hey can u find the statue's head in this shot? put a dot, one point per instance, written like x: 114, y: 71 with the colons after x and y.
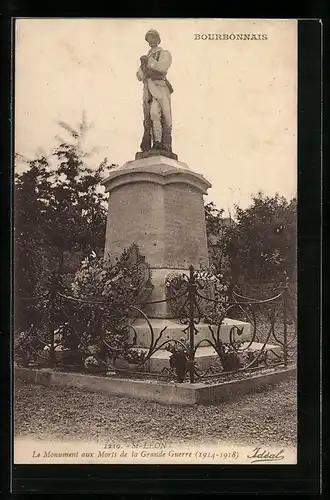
x: 153, y: 38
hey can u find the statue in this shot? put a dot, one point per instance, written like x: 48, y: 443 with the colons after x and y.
x: 157, y: 90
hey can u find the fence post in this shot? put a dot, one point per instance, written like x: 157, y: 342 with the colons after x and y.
x: 285, y: 325
x: 191, y: 297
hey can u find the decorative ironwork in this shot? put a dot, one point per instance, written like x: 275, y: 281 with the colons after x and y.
x: 266, y: 347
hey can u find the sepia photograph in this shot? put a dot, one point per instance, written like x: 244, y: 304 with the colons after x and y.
x: 155, y: 241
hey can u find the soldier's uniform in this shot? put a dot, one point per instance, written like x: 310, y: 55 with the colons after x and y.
x: 156, y: 98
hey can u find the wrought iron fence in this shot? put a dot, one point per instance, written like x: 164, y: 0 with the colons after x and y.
x: 271, y: 340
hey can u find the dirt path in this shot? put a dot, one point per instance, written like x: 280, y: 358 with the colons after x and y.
x: 51, y: 412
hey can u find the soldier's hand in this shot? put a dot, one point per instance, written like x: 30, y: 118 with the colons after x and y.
x: 143, y: 60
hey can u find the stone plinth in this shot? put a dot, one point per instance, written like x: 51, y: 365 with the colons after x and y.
x: 157, y: 203
x: 207, y: 356
x: 156, y: 152
x: 174, y: 331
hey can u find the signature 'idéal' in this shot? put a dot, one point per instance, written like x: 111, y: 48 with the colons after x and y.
x: 263, y: 455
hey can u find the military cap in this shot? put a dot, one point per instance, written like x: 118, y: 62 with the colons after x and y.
x: 152, y: 32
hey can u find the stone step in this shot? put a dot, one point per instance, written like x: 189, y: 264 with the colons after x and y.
x: 207, y: 356
x: 175, y: 330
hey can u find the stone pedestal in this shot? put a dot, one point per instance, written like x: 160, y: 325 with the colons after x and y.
x: 157, y: 203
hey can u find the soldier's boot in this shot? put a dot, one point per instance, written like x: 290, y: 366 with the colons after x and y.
x: 157, y: 133
x: 146, y: 140
x: 167, y: 138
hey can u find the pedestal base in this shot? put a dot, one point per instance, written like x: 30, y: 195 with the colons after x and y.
x: 156, y: 152
x: 205, y: 357
x: 174, y: 331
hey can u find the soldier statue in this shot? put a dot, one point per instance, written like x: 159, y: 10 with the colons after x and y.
x: 157, y: 90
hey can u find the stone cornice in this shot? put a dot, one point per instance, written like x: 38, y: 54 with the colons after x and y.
x: 158, y: 170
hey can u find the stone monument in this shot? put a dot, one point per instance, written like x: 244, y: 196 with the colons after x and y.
x: 156, y: 202
x: 157, y: 90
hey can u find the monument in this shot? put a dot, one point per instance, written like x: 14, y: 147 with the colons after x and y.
x: 156, y: 201
x: 157, y: 90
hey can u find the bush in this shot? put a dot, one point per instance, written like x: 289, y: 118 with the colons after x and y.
x: 261, y: 290
x: 105, y: 292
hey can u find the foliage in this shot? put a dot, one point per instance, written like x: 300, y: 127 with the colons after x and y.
x: 25, y: 347
x: 176, y: 294
x: 91, y: 319
x: 260, y: 244
x: 263, y: 290
x: 263, y: 243
x: 228, y: 354
x: 105, y: 292
x: 209, y: 285
x: 213, y: 286
x: 59, y: 210
x: 218, y: 231
x: 178, y: 361
x: 134, y: 356
x: 40, y: 334
x: 91, y: 361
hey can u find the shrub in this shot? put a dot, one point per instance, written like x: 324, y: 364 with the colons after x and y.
x: 104, y: 291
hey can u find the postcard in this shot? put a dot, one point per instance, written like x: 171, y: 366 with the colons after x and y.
x: 155, y: 227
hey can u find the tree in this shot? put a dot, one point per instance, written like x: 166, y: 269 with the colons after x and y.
x: 218, y: 231
x: 263, y: 243
x: 59, y: 210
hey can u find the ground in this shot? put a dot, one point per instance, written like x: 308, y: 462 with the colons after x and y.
x: 267, y: 417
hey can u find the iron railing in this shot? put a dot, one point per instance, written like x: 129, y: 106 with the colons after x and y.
x: 272, y: 340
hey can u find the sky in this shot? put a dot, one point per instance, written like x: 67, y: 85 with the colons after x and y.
x: 234, y: 104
